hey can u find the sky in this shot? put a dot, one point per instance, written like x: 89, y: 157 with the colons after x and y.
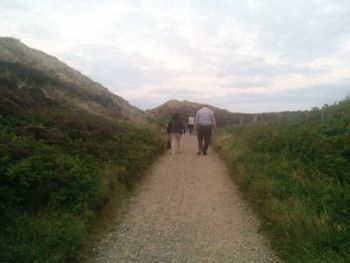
x: 244, y: 56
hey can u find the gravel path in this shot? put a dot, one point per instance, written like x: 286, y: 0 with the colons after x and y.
x: 186, y: 210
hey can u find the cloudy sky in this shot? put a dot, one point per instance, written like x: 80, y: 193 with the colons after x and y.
x: 247, y: 56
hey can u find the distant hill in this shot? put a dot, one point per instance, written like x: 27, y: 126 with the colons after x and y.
x: 223, y: 117
x: 32, y: 69
x: 186, y: 108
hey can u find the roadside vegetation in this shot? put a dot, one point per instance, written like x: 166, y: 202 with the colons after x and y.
x: 58, y: 167
x: 295, y: 171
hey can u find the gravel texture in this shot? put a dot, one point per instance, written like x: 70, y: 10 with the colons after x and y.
x: 186, y: 210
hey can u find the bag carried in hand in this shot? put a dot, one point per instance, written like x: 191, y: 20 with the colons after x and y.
x: 168, y: 145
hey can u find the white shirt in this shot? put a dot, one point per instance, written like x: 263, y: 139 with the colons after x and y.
x: 205, y: 117
x: 191, y: 120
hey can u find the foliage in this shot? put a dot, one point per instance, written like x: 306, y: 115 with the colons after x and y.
x: 58, y: 165
x: 296, y: 172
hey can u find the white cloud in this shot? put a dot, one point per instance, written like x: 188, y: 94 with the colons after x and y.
x: 205, y: 50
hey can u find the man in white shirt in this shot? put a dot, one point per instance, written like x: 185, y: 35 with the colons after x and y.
x: 190, y: 124
x: 204, y: 123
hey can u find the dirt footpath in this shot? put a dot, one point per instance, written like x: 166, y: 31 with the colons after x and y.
x: 186, y: 210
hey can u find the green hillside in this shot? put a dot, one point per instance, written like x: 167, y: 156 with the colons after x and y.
x: 295, y: 170
x: 65, y: 145
x: 62, y: 82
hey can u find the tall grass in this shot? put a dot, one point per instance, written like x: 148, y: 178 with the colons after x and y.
x: 295, y: 171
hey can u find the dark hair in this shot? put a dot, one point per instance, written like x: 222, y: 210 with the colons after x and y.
x: 175, y: 116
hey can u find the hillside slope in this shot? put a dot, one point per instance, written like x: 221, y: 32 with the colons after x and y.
x: 64, y: 147
x: 60, y: 82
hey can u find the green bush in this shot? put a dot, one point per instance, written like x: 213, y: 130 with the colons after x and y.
x: 58, y: 166
x: 296, y: 173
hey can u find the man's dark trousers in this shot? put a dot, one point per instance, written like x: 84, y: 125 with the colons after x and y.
x: 204, y: 134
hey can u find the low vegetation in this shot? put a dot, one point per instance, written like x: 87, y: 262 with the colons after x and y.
x: 58, y: 166
x: 295, y: 171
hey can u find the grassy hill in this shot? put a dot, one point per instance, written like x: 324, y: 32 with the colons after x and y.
x: 60, y: 82
x: 295, y: 171
x: 65, y: 144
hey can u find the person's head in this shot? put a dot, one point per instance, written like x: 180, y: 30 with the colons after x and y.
x: 175, y: 115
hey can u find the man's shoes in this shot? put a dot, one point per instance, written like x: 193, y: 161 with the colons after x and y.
x: 199, y: 152
x: 205, y: 153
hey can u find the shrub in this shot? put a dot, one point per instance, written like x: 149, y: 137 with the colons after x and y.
x: 57, y: 169
x: 296, y: 173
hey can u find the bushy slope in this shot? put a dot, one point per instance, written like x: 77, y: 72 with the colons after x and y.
x: 66, y: 84
x: 59, y: 163
x: 57, y: 168
x: 296, y: 173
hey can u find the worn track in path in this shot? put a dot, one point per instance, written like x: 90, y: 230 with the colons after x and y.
x: 186, y: 210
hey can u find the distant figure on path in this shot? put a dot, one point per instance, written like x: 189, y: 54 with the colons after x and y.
x: 190, y: 124
x: 175, y: 129
x: 204, y: 123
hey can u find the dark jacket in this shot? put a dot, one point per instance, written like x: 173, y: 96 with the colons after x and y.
x: 175, y: 126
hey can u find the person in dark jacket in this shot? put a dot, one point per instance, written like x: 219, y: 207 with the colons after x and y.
x: 175, y: 129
